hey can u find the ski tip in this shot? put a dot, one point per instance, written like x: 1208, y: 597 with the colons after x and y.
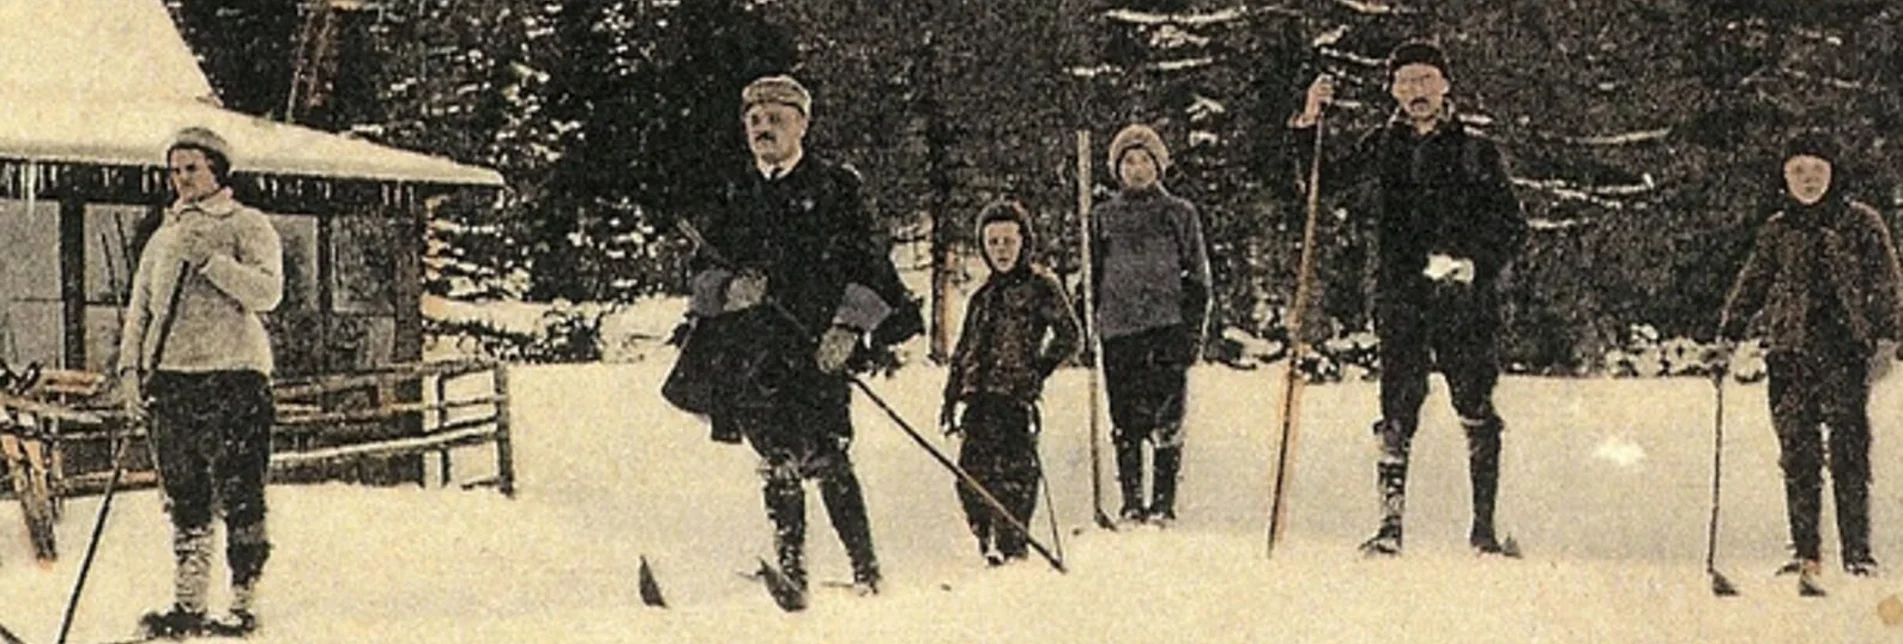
x: 788, y: 596
x: 1722, y: 587
x: 649, y: 587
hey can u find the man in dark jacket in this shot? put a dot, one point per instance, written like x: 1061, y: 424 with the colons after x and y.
x: 1446, y: 224
x: 1825, y: 275
x: 794, y: 276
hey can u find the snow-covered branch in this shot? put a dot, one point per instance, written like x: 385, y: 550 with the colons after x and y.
x: 1193, y: 19
x: 1609, y: 140
x: 1374, y: 7
x: 1596, y: 195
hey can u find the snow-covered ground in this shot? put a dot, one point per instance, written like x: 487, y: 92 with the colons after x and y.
x: 1605, y: 486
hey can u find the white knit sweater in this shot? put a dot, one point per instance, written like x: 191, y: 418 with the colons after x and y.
x: 216, y: 325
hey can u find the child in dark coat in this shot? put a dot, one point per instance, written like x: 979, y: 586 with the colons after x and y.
x: 1825, y: 279
x: 998, y: 371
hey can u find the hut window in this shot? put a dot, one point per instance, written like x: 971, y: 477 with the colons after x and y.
x: 297, y: 234
x: 366, y: 249
x: 30, y: 307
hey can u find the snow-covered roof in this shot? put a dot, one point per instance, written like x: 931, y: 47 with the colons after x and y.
x: 110, y: 81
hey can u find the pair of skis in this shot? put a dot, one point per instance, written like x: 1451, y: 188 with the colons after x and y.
x: 28, y: 459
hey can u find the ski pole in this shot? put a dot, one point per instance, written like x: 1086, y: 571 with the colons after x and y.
x: 1044, y: 480
x: 1094, y: 347
x: 687, y: 228
x: 1292, y: 376
x: 119, y: 440
x: 1720, y: 586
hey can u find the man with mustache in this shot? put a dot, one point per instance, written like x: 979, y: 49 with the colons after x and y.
x: 795, y: 278
x: 1446, y: 223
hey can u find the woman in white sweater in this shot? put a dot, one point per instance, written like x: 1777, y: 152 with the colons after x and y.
x: 194, y: 339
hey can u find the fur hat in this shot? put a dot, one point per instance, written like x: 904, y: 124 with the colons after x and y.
x: 208, y: 142
x: 780, y: 89
x: 1815, y: 142
x: 1418, y: 52
x: 1007, y: 210
x: 1135, y: 136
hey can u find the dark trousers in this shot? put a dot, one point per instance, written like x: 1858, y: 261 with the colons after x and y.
x: 211, y: 436
x: 792, y: 451
x: 1811, y: 392
x: 1145, y: 376
x: 1451, y: 329
x: 1000, y: 451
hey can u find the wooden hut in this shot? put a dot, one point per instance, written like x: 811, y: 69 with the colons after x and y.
x: 90, y: 93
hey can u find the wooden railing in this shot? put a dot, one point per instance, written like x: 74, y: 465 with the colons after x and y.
x: 320, y: 411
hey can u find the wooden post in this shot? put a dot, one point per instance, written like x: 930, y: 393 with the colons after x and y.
x: 72, y: 280
x: 442, y: 418
x: 505, y: 450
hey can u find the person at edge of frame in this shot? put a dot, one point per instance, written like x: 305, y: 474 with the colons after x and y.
x: 1446, y: 225
x: 200, y: 367
x: 1824, y: 275
x: 794, y: 281
x: 1151, y: 278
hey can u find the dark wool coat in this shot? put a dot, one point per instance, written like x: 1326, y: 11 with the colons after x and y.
x: 825, y: 260
x: 1002, y: 349
x: 1446, y: 192
x: 1817, y: 273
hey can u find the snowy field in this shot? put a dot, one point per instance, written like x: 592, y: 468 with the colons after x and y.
x: 1605, y: 486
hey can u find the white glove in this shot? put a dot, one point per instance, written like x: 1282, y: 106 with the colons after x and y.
x: 1447, y: 268
x: 835, y: 347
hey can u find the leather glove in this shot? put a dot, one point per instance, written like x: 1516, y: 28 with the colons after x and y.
x: 835, y: 348
x: 746, y: 290
x: 1448, y: 269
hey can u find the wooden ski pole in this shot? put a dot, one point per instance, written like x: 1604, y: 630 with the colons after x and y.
x: 1292, y: 375
x: 1094, y: 346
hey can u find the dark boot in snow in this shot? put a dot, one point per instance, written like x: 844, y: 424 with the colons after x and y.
x: 1483, y: 472
x: 846, y: 505
x: 1386, y: 542
x: 177, y: 624
x: 238, y: 623
x: 1169, y: 462
x: 1130, y: 480
x: 786, y: 507
x: 1391, y: 479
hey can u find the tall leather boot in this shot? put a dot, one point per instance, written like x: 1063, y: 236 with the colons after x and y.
x: 846, y: 506
x: 1169, y: 463
x: 786, y: 507
x: 1483, y: 470
x: 1130, y: 478
x: 1391, y: 481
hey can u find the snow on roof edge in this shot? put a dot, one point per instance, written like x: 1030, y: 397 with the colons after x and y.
x: 135, y: 134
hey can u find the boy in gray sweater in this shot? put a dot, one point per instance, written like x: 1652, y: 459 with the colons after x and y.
x: 1151, y: 276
